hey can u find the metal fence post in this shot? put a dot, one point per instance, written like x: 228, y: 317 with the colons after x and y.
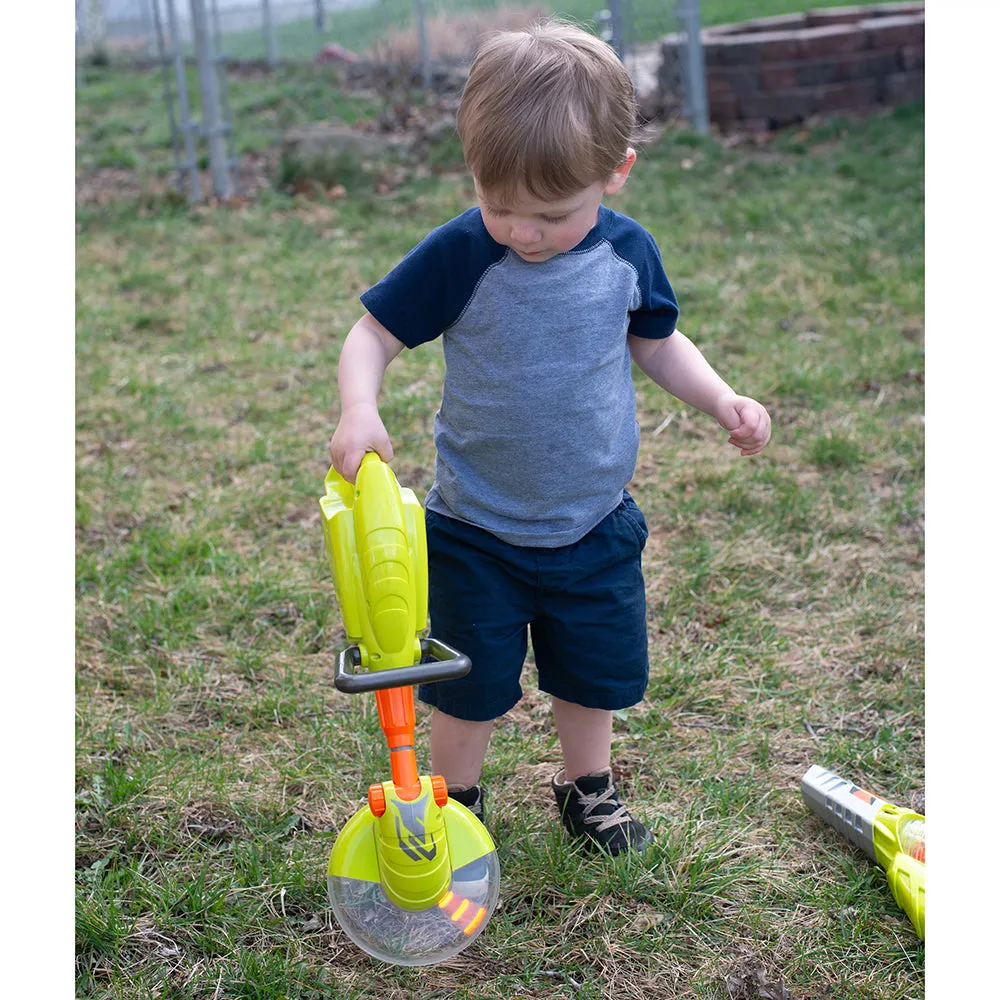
x: 97, y: 27
x: 615, y: 25
x: 270, y: 42
x: 425, y: 51
x: 695, y: 65
x: 147, y: 26
x: 80, y: 38
x: 220, y: 65
x: 617, y: 39
x: 320, y: 16
x: 186, y: 125
x: 168, y: 99
x: 213, y: 127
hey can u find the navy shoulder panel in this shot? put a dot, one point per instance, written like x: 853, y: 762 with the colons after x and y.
x: 655, y: 314
x: 428, y: 289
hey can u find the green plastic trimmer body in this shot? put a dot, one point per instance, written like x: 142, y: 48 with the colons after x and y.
x: 413, y: 876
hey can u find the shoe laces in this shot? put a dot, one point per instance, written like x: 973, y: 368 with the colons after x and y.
x: 619, y: 817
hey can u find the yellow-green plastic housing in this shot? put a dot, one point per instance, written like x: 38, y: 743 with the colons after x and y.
x: 377, y: 547
x: 411, y: 848
x: 418, y: 883
x: 905, y: 874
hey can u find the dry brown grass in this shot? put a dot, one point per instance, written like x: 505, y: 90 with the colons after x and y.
x: 452, y: 37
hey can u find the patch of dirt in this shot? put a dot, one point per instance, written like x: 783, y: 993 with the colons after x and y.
x: 211, y: 821
x: 256, y: 172
x: 748, y: 979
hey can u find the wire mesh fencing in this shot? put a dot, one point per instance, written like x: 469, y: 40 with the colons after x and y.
x: 390, y: 46
x: 430, y: 34
x: 301, y: 30
x: 253, y: 30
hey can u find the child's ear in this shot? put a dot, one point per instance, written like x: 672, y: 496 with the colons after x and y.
x: 621, y: 173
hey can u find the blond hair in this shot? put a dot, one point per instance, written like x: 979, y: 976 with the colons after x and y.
x: 550, y: 109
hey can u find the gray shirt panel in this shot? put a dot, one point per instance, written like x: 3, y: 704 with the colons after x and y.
x: 536, y: 435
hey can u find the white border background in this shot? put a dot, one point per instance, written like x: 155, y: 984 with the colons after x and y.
x: 963, y: 496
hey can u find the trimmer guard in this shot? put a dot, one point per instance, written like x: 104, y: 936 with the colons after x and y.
x: 359, y: 886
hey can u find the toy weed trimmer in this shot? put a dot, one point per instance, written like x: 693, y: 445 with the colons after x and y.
x: 892, y: 837
x: 413, y: 876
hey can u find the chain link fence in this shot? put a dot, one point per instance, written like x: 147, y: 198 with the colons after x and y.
x: 429, y: 41
x: 300, y: 30
x: 117, y: 30
x: 431, y: 33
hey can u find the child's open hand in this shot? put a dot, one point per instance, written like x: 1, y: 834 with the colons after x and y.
x: 360, y: 430
x: 746, y: 420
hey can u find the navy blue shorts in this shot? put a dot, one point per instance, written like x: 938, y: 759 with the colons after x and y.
x: 584, y: 606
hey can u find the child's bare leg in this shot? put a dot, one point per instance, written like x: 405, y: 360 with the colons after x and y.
x: 585, y: 791
x: 585, y: 737
x: 458, y: 748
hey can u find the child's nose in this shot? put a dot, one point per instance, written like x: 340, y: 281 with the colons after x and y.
x: 525, y: 232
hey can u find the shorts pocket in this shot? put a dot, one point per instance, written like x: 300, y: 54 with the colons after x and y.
x: 633, y: 516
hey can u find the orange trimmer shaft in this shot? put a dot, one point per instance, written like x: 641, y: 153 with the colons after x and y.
x: 398, y: 720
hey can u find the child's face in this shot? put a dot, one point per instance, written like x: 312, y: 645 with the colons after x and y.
x: 538, y: 230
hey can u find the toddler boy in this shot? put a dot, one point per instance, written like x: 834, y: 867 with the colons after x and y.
x: 543, y: 298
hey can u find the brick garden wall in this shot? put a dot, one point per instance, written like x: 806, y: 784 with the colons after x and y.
x: 777, y: 71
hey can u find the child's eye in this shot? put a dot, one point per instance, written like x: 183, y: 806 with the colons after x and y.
x: 555, y: 218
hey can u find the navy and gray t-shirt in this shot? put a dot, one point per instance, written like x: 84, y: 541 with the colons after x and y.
x: 536, y: 435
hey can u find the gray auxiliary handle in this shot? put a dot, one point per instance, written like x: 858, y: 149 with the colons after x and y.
x: 447, y: 664
x: 850, y: 810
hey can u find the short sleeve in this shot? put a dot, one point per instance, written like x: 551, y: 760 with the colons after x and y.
x: 428, y: 289
x: 655, y: 314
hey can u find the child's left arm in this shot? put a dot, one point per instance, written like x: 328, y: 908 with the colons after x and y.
x: 676, y: 365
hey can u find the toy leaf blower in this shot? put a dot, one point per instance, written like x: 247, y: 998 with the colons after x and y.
x: 892, y: 837
x: 413, y: 876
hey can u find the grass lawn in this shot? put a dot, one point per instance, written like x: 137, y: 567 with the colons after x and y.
x: 215, y: 760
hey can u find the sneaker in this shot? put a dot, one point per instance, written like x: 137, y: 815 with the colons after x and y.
x: 590, y: 808
x: 471, y: 797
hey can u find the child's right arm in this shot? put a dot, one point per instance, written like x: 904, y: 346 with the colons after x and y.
x: 367, y: 352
